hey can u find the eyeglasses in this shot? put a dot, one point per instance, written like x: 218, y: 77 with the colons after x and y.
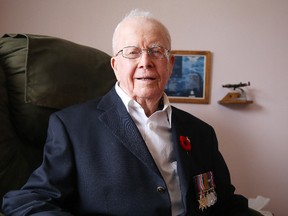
x: 133, y: 52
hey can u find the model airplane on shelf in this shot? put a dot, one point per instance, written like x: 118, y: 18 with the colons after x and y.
x: 235, y: 86
x: 236, y: 97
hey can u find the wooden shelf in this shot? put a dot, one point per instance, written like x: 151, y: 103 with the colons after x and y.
x: 234, y: 98
x: 236, y: 102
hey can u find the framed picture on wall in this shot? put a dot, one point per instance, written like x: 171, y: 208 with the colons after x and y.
x: 190, y: 79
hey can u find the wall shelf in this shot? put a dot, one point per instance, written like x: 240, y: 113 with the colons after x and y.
x: 234, y: 98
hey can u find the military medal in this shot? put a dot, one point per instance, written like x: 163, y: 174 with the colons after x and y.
x: 205, y: 186
x: 202, y: 202
x: 211, y: 198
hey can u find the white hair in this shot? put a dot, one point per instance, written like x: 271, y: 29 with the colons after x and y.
x: 137, y: 13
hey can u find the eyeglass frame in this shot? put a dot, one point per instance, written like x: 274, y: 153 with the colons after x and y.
x: 148, y: 50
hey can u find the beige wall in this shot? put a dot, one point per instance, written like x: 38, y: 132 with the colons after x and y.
x: 249, y: 42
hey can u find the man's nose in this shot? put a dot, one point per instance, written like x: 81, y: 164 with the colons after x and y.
x: 145, y: 60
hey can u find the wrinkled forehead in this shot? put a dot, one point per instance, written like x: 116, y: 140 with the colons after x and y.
x: 142, y: 31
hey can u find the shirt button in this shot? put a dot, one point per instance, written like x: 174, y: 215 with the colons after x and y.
x: 150, y: 125
x: 161, y: 189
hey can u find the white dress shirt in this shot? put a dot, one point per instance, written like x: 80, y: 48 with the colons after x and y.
x: 156, y: 132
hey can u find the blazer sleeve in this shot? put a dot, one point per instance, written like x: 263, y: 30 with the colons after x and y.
x: 42, y: 191
x: 229, y: 202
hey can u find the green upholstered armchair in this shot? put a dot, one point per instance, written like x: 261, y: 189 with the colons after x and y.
x: 39, y: 75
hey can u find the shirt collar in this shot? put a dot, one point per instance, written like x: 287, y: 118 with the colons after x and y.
x: 129, y: 102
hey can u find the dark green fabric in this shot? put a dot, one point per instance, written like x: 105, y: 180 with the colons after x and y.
x: 58, y: 72
x: 14, y: 168
x: 40, y: 75
x: 30, y: 122
x: 61, y: 73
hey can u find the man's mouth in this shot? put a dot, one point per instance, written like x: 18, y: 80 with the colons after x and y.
x: 146, y: 78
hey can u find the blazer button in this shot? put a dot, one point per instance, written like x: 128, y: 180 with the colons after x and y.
x: 161, y: 189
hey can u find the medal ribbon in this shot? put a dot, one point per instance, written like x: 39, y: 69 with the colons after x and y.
x: 204, y: 183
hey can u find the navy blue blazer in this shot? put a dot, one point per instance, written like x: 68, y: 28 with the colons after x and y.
x: 96, y: 163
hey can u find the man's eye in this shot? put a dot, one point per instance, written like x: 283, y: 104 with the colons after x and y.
x: 134, y: 52
x: 157, y: 50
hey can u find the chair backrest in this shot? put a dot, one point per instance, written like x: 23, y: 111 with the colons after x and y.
x: 39, y: 75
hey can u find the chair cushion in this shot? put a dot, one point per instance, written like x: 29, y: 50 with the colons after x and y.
x: 58, y: 72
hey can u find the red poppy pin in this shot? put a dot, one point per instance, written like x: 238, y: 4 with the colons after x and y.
x: 185, y: 143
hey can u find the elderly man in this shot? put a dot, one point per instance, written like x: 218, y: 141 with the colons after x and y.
x: 130, y: 152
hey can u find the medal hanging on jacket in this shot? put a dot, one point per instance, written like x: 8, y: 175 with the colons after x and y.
x: 205, y: 186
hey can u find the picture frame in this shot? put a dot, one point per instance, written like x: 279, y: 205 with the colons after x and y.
x: 190, y: 79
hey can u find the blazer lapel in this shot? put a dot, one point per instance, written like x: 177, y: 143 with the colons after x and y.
x: 185, y: 163
x: 182, y: 164
x: 122, y: 126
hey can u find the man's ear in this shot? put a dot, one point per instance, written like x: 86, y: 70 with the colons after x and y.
x: 114, y: 65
